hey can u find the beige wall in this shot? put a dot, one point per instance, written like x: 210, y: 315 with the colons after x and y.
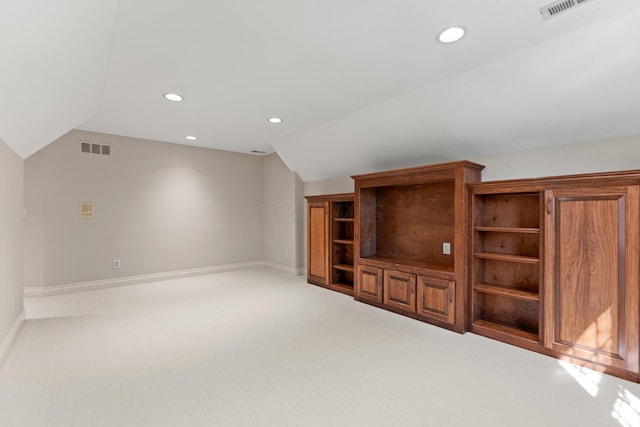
x: 585, y: 157
x: 281, y: 214
x: 11, y: 222
x: 329, y: 186
x: 158, y: 207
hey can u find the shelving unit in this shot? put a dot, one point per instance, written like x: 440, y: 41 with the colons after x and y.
x: 506, y: 267
x: 405, y: 220
x: 342, y: 245
x: 331, y: 223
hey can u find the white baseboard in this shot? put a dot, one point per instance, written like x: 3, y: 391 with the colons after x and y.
x: 8, y: 341
x: 45, y: 291
x: 284, y: 269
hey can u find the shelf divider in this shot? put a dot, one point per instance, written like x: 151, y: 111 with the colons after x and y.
x: 506, y: 292
x: 507, y: 257
x: 522, y: 230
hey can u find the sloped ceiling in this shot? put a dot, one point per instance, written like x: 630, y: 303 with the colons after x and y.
x: 361, y: 85
x: 54, y: 64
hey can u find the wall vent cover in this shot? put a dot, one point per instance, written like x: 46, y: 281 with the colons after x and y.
x: 93, y: 148
x: 558, y: 7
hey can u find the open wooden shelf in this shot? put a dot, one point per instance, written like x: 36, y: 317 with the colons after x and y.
x: 398, y: 261
x: 506, y: 329
x: 343, y: 288
x: 343, y: 241
x: 507, y: 257
x: 344, y: 219
x: 523, y: 230
x: 507, y: 292
x: 344, y: 267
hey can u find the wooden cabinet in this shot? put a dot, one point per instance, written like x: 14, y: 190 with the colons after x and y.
x: 330, y: 241
x: 318, y: 242
x: 592, y: 281
x: 369, y: 283
x: 556, y: 267
x: 411, y: 223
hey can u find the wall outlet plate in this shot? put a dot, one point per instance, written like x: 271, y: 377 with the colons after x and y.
x: 116, y: 264
x: 446, y: 248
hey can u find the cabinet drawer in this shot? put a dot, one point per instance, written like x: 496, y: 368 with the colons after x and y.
x: 436, y: 298
x: 369, y: 284
x: 400, y: 290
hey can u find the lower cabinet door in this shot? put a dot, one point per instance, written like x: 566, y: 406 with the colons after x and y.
x: 436, y: 298
x: 369, y: 283
x: 400, y: 290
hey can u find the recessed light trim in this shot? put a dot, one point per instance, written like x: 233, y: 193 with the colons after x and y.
x: 275, y: 120
x: 191, y: 137
x: 451, y: 35
x: 173, y: 97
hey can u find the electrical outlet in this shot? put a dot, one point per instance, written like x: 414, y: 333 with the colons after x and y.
x: 286, y: 254
x: 446, y: 248
x: 116, y: 264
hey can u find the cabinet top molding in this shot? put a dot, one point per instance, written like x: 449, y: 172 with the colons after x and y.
x: 342, y: 197
x: 628, y: 177
x: 421, y: 169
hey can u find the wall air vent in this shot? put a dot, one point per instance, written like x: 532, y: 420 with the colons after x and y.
x: 93, y: 148
x: 556, y: 8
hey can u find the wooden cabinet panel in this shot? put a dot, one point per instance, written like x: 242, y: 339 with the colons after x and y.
x: 318, y: 243
x: 436, y: 298
x: 592, y: 267
x: 400, y: 290
x: 369, y: 284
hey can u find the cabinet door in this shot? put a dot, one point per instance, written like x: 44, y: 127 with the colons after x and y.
x: 436, y: 298
x: 369, y: 284
x: 318, y: 243
x: 400, y: 290
x: 592, y: 274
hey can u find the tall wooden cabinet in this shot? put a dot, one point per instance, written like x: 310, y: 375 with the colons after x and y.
x: 592, y: 274
x: 330, y: 241
x: 555, y: 267
x: 411, y: 241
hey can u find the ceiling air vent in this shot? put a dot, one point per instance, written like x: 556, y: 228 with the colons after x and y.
x: 93, y: 148
x: 556, y: 8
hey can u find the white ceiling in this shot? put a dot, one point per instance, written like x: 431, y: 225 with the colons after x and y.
x: 361, y: 84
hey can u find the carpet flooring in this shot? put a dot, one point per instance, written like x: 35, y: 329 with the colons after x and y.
x: 260, y: 348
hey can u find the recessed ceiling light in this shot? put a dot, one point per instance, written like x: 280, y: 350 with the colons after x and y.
x: 191, y: 137
x: 275, y: 120
x: 450, y: 35
x: 173, y: 97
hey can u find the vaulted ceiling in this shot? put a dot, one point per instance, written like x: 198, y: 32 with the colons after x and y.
x: 360, y: 84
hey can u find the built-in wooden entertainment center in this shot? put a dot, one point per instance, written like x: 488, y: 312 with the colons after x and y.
x: 548, y: 264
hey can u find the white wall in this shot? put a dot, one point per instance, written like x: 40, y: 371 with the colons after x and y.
x: 281, y: 214
x: 11, y: 223
x: 158, y: 207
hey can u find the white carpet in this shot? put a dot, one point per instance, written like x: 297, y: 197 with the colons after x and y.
x: 259, y: 348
